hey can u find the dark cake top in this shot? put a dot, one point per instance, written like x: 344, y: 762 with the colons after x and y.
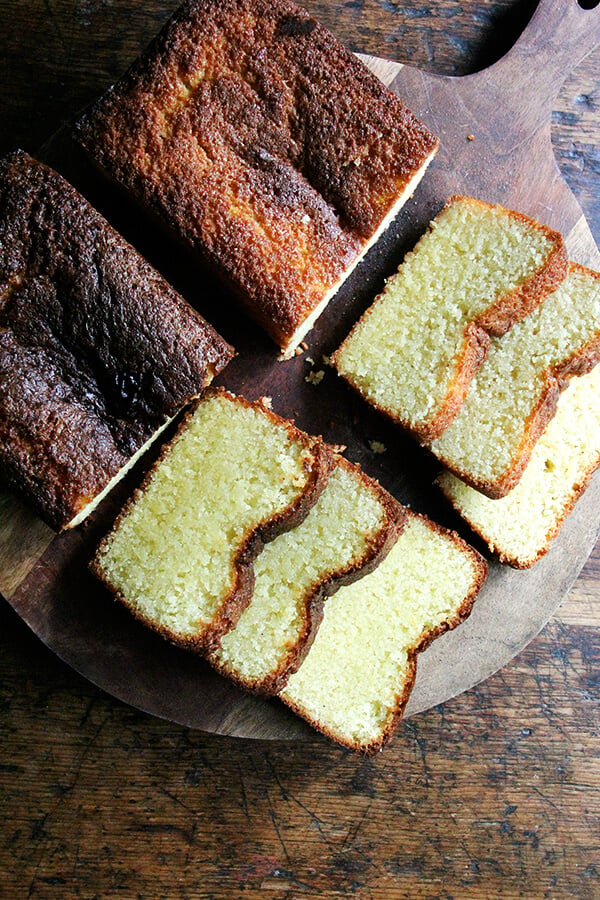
x: 96, y: 350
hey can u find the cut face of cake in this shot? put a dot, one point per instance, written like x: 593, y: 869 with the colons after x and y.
x: 180, y: 556
x: 479, y: 269
x: 266, y: 148
x: 97, y: 352
x: 515, y: 391
x: 346, y: 534
x: 357, y: 676
x: 519, y: 527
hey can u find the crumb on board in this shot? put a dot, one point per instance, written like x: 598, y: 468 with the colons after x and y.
x: 377, y: 447
x: 315, y: 377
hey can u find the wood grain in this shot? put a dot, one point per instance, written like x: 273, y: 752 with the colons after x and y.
x: 491, y: 795
x: 495, y: 130
x: 495, y: 794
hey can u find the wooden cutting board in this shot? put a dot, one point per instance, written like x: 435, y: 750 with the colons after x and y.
x: 495, y: 144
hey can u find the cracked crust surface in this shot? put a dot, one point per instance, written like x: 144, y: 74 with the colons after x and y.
x: 97, y: 351
x: 265, y: 146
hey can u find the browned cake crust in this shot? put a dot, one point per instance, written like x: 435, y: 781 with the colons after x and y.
x: 460, y: 615
x: 264, y: 145
x: 513, y: 560
x: 376, y: 550
x: 556, y: 378
x: 96, y: 350
x: 235, y: 602
x: 495, y: 321
x: 404, y: 690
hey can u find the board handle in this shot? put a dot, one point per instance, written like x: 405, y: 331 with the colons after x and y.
x: 560, y: 34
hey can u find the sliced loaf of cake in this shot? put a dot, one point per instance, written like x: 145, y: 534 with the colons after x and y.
x: 180, y: 555
x: 265, y: 147
x: 346, y: 534
x: 519, y: 528
x: 97, y: 351
x: 478, y: 269
x: 515, y: 392
x: 358, y: 674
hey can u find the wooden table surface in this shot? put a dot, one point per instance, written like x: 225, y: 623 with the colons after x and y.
x: 494, y: 794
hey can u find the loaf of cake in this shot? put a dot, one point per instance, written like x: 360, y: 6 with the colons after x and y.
x: 97, y: 351
x: 180, y: 555
x: 478, y: 269
x: 357, y: 676
x: 345, y: 535
x: 265, y: 147
x: 519, y: 528
x: 515, y: 391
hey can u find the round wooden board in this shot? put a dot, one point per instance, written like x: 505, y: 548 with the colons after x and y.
x: 510, y: 161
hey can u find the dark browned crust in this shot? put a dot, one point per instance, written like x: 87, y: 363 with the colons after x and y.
x: 495, y: 321
x: 97, y: 351
x: 556, y: 379
x: 238, y: 598
x: 460, y: 615
x: 238, y: 128
x: 312, y: 604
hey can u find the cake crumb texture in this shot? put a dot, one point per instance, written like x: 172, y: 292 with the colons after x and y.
x: 346, y: 534
x: 265, y: 146
x: 519, y: 527
x: 180, y: 556
x: 478, y: 269
x: 97, y: 351
x: 356, y: 678
x: 515, y: 392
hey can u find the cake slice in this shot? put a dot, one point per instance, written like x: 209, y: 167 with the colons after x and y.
x: 180, y: 555
x: 97, y: 351
x: 346, y: 534
x: 515, y: 392
x: 265, y: 147
x: 356, y: 679
x: 519, y: 528
x: 478, y: 269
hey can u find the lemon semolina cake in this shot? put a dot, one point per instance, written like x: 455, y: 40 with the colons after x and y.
x: 265, y: 147
x: 346, y: 534
x: 515, y: 392
x: 97, y: 351
x: 357, y: 676
x: 180, y: 555
x: 520, y: 527
x: 477, y: 270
